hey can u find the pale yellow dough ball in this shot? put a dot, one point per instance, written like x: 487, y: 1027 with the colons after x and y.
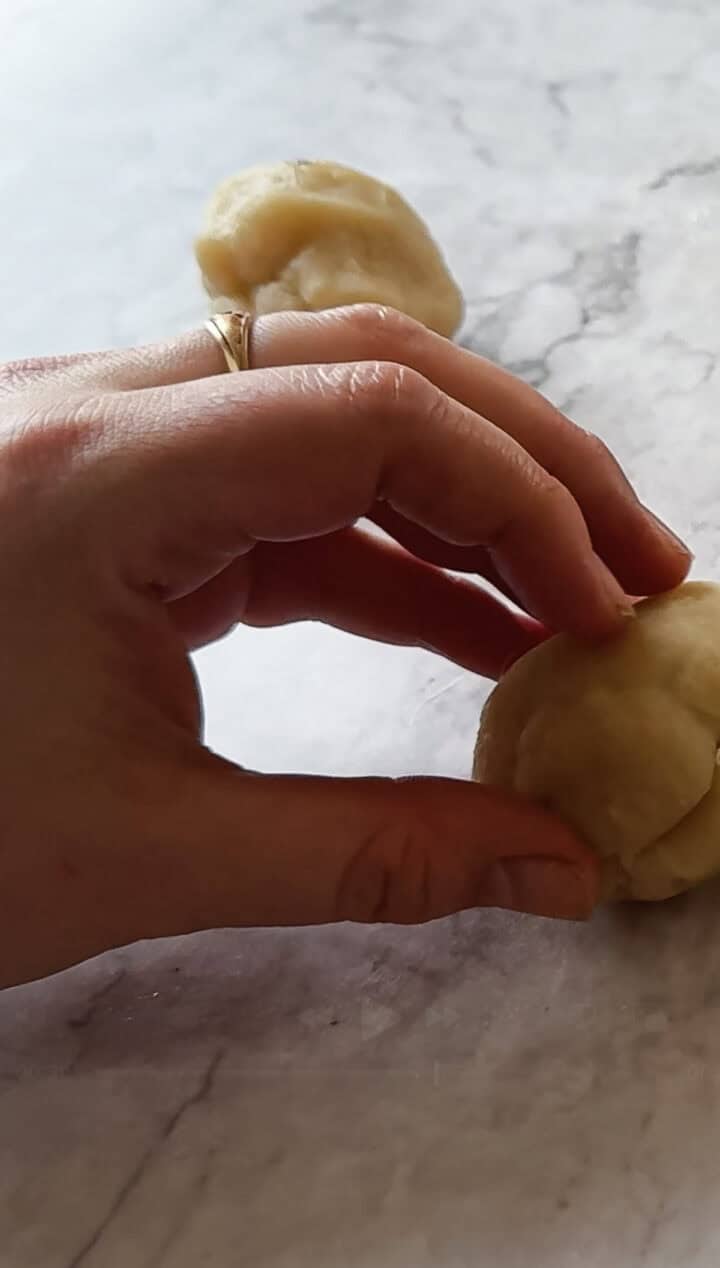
x: 317, y: 235
x: 621, y: 740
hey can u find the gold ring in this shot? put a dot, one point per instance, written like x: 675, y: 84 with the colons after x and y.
x: 231, y: 331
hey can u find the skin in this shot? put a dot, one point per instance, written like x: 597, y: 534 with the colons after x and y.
x: 152, y: 501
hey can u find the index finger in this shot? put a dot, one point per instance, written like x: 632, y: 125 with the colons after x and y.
x: 279, y: 455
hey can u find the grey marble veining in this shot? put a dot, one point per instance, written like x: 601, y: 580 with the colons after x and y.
x: 488, y: 1090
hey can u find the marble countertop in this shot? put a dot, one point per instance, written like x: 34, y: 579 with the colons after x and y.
x: 488, y: 1090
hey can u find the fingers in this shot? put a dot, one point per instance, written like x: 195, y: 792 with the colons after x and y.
x: 426, y: 546
x: 368, y: 332
x: 615, y: 517
x: 366, y: 586
x: 248, y: 849
x: 293, y: 453
x: 188, y: 356
x: 656, y: 560
x: 639, y: 551
x: 580, y: 461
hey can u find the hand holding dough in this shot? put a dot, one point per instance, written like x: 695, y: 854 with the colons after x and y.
x: 316, y: 235
x: 621, y: 740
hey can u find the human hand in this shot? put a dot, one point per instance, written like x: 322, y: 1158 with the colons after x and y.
x: 150, y: 502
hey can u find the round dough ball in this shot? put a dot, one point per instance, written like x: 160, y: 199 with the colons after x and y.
x: 316, y: 235
x: 621, y: 740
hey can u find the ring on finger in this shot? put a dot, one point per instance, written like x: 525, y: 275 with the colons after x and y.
x: 231, y: 331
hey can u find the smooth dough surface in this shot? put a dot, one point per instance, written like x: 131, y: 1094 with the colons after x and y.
x: 621, y: 740
x: 316, y: 235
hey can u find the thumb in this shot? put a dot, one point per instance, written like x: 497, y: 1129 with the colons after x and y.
x: 253, y: 849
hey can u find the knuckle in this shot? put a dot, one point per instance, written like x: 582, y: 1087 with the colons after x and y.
x: 384, y: 330
x: 442, y: 413
x: 558, y: 497
x: 40, y: 442
x: 556, y: 506
x: 597, y: 451
x: 548, y: 495
x: 544, y: 505
x: 30, y: 372
x: 17, y: 375
x: 556, y: 513
x: 389, y: 878
x: 385, y: 385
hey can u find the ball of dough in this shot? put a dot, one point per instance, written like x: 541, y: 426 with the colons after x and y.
x: 317, y: 235
x: 621, y: 740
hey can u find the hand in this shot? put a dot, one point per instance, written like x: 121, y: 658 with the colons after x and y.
x: 149, y: 502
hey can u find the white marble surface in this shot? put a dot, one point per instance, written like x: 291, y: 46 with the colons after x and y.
x: 487, y: 1091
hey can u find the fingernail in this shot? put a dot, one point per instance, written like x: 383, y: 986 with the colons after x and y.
x: 669, y: 534
x: 609, y: 590
x: 542, y: 887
